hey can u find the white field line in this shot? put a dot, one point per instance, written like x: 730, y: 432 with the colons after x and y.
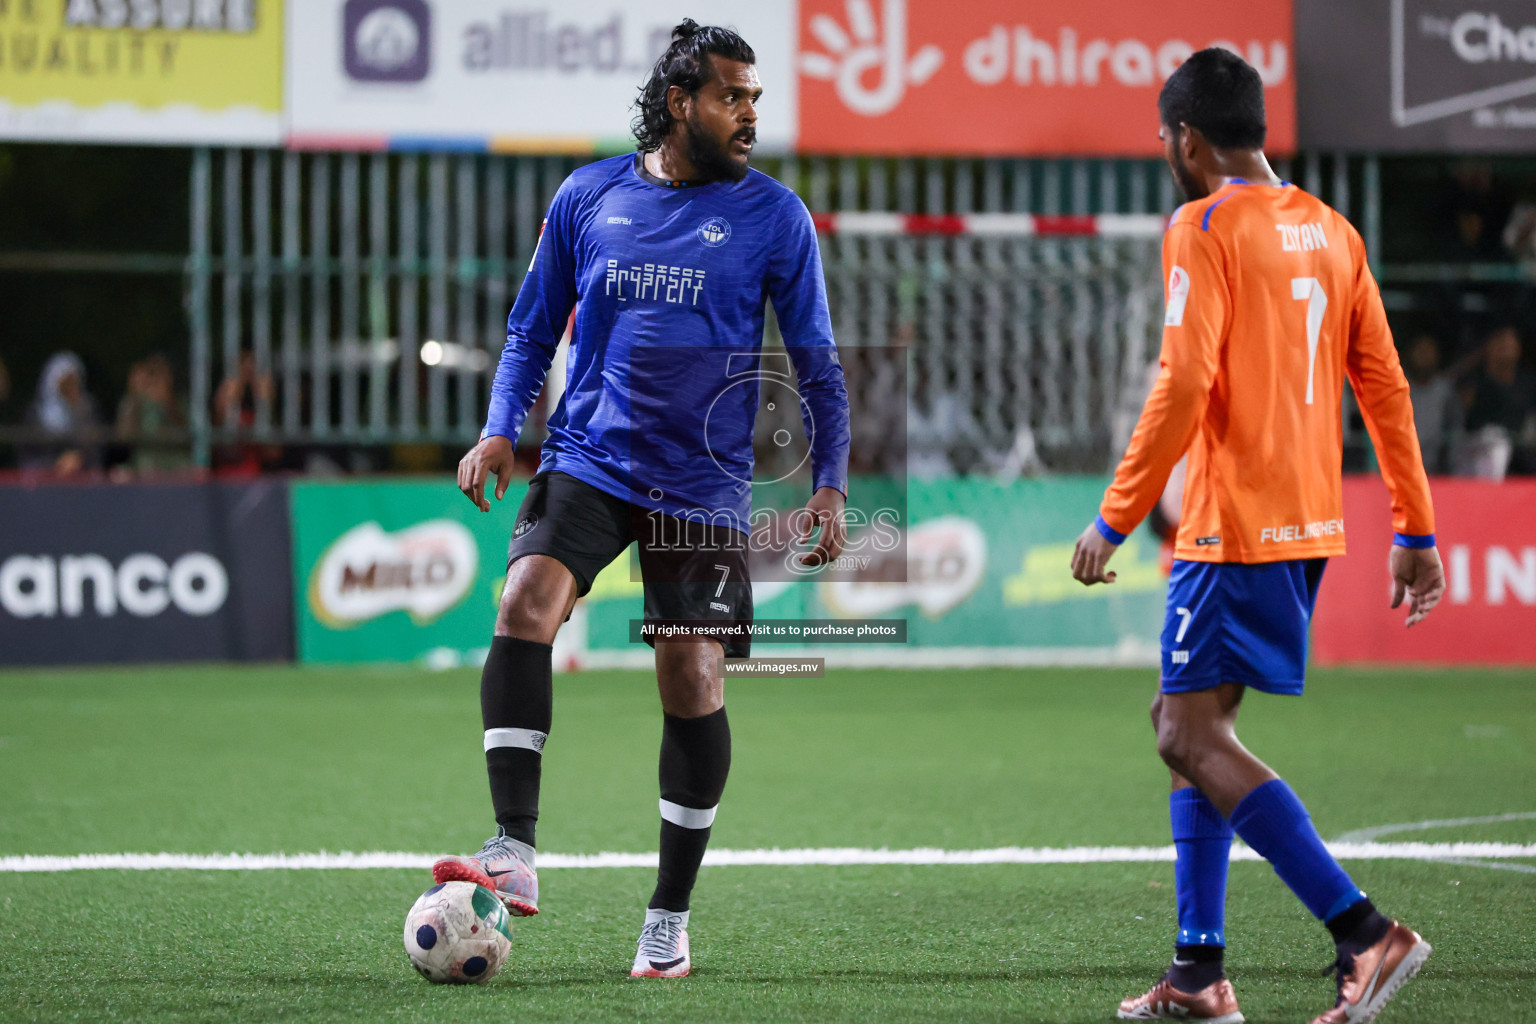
x: 1367, y: 835
x: 1497, y: 865
x: 825, y: 857
x: 1375, y: 832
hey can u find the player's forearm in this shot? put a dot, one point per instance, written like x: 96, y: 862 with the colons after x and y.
x: 1388, y: 413
x: 1130, y: 499
x: 821, y: 386
x: 825, y: 413
x: 1386, y: 404
x: 1163, y: 434
x: 519, y: 377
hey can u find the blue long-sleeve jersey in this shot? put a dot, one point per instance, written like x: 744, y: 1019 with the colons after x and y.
x: 662, y: 378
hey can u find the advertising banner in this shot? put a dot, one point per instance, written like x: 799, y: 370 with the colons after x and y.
x: 1000, y: 77
x: 1487, y: 538
x: 144, y: 573
x: 988, y: 581
x: 501, y: 76
x: 396, y: 570
x: 174, y: 72
x: 401, y: 571
x: 839, y: 76
x: 1417, y: 75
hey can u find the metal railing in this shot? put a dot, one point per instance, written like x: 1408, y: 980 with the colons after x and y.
x: 370, y: 290
x: 361, y: 298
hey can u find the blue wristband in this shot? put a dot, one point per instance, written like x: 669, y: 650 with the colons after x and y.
x: 1413, y: 540
x: 1108, y: 532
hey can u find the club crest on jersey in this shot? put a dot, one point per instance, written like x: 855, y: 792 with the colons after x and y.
x: 1178, y: 295
x: 714, y: 231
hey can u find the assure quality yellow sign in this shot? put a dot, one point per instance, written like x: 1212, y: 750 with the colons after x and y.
x: 174, y: 72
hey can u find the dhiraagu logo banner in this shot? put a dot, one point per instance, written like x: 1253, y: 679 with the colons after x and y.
x: 410, y: 571
x: 174, y: 72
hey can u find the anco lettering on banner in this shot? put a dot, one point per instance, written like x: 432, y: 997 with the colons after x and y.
x: 144, y: 573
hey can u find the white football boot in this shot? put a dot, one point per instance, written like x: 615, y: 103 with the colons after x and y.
x: 504, y: 866
x: 663, y: 947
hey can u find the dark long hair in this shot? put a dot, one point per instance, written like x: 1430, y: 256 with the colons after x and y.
x: 683, y: 65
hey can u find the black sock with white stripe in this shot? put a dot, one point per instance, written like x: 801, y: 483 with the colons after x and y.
x: 516, y: 707
x: 695, y: 759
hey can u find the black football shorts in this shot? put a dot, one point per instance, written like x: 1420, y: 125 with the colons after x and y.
x: 693, y: 571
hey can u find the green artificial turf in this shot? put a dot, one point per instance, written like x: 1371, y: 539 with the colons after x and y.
x: 293, y: 760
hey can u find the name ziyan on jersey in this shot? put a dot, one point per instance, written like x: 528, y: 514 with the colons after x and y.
x: 654, y: 281
x: 1302, y: 237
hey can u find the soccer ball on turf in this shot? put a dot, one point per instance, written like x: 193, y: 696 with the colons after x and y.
x: 458, y: 933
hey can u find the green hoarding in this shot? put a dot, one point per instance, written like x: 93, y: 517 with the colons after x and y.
x: 405, y: 571
x: 395, y: 570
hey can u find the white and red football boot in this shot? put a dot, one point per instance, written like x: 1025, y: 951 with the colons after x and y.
x: 663, y: 948
x: 504, y: 865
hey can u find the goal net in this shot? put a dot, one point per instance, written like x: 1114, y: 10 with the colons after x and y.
x: 1026, y: 334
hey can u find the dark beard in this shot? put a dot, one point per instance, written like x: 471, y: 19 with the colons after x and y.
x: 1186, y: 180
x: 712, y: 161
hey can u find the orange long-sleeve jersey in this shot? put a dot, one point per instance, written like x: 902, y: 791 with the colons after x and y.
x: 1270, y: 305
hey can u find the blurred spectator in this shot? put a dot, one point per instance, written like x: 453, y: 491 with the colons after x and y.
x: 878, y: 425
x: 236, y: 404
x: 1501, y: 392
x: 5, y: 392
x: 943, y: 437
x: 149, y: 418
x: 1473, y: 214
x: 1520, y: 232
x: 1500, y: 399
x: 66, y: 415
x: 236, y: 401
x: 1437, y: 410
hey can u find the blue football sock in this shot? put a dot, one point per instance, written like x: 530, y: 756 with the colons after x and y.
x: 1273, y: 821
x: 1203, y: 840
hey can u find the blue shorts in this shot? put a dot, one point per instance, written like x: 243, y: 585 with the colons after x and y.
x: 1235, y: 623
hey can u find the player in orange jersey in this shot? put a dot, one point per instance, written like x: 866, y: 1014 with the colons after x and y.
x: 1270, y: 306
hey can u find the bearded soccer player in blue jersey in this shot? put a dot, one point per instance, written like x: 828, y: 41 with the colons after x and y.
x: 667, y: 256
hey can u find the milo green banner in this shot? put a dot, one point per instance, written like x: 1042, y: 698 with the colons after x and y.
x: 987, y: 581
x: 408, y: 571
x: 396, y: 571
